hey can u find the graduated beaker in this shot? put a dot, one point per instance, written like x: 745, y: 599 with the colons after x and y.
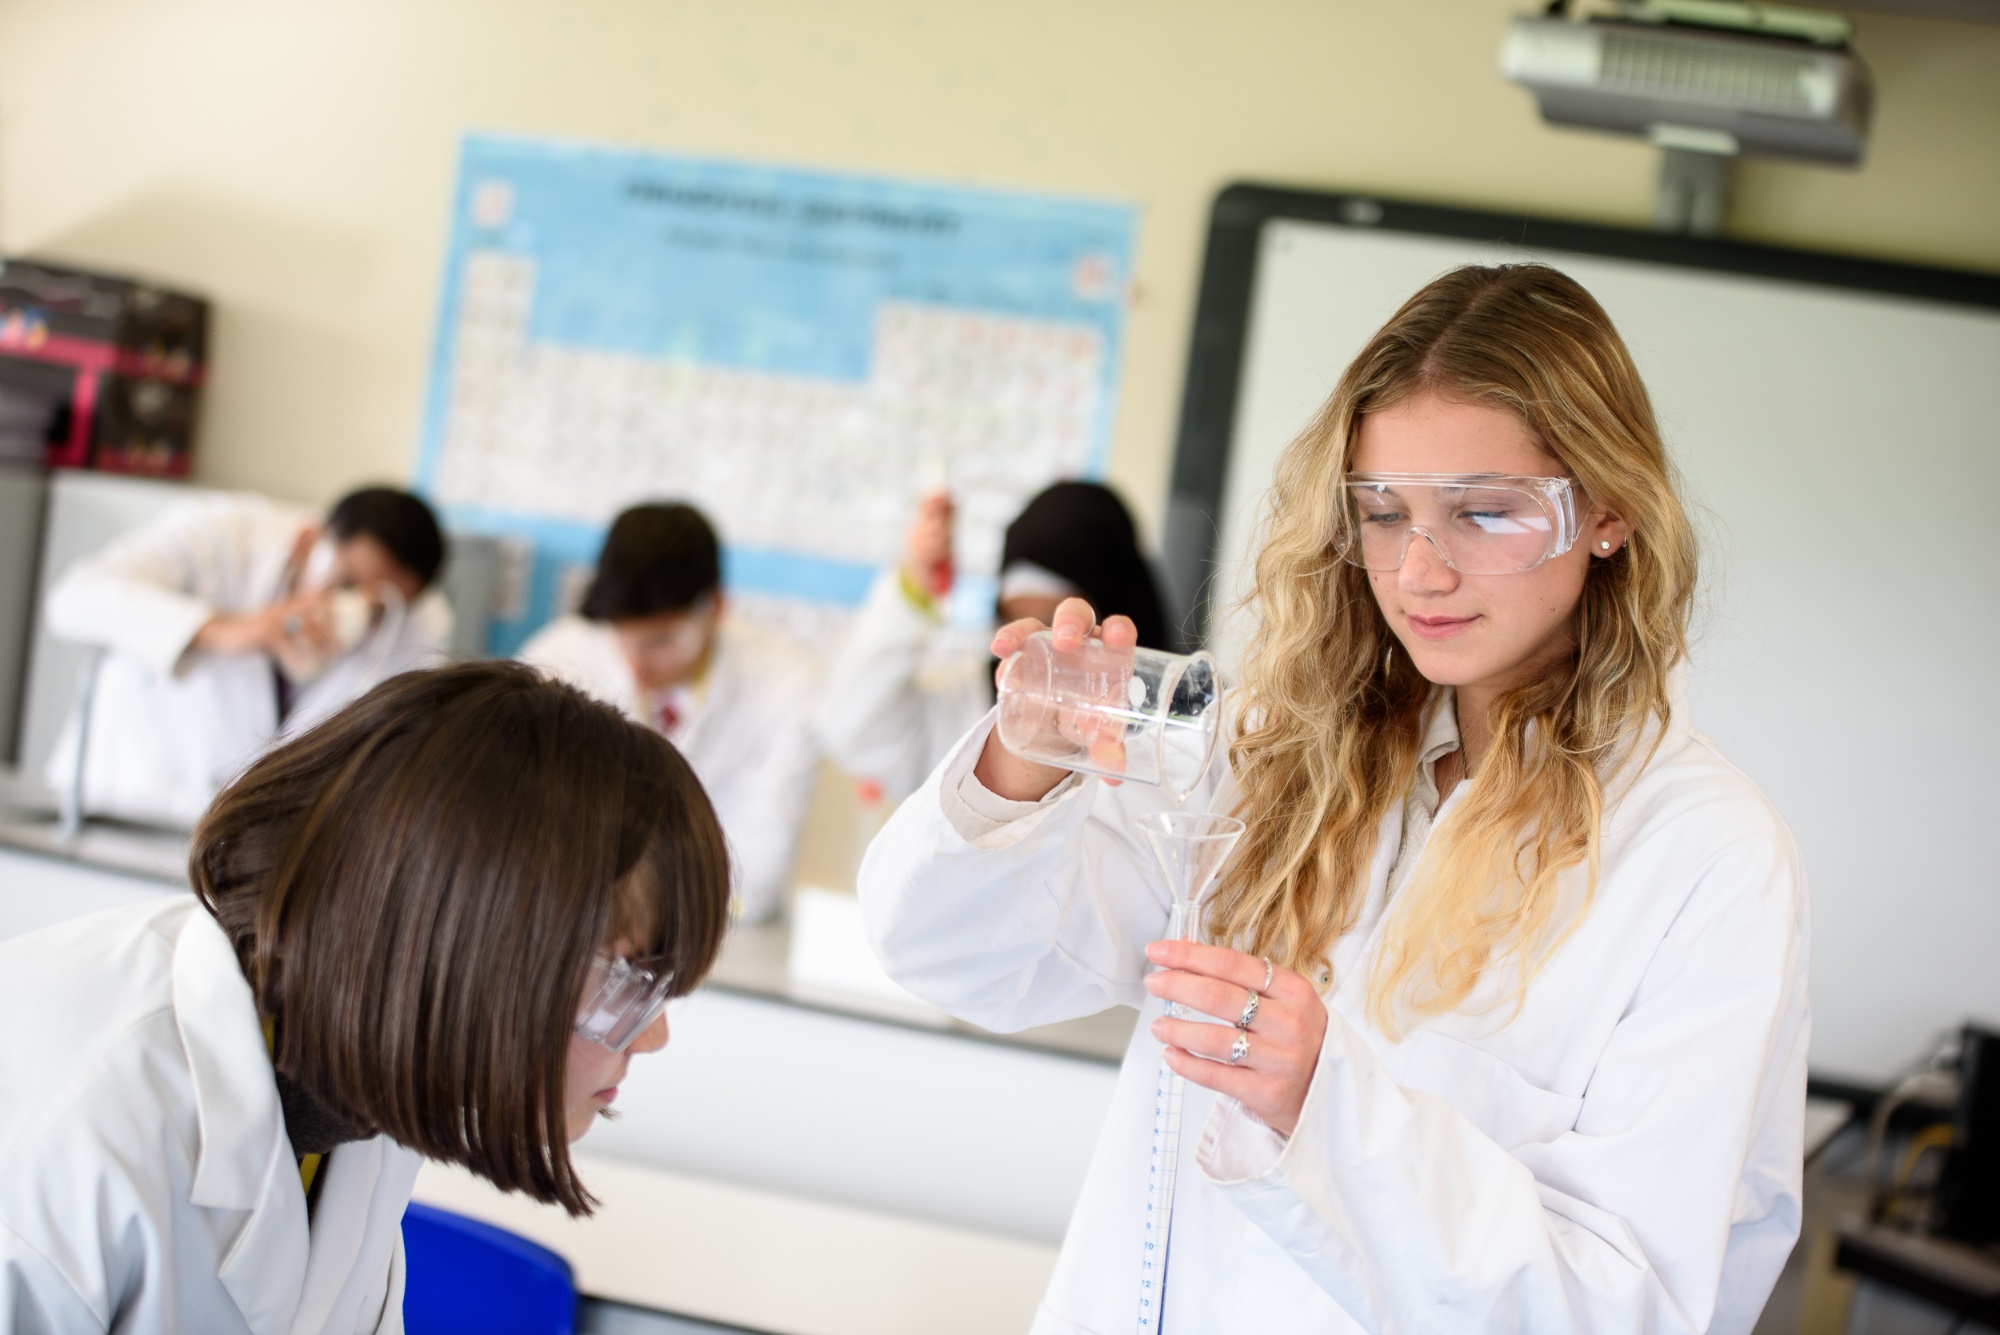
x: 1136, y: 715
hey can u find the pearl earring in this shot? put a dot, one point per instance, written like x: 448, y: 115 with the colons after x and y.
x: 1605, y: 546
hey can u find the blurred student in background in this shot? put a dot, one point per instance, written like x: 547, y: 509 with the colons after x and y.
x: 439, y: 927
x: 230, y: 622
x: 654, y: 638
x: 904, y: 687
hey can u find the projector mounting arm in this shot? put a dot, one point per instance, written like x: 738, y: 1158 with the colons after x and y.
x: 1694, y: 192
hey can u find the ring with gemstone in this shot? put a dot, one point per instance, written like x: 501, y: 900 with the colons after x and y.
x: 1239, y: 1049
x: 1249, y: 1015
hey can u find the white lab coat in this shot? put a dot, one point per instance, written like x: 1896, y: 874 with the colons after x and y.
x: 903, y: 689
x: 167, y: 734
x: 146, y: 1181
x: 745, y: 728
x: 1622, y: 1155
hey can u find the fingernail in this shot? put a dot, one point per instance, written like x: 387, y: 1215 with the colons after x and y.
x: 1159, y: 1028
x: 1157, y: 952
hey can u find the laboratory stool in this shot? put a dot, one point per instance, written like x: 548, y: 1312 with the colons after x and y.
x: 469, y: 1278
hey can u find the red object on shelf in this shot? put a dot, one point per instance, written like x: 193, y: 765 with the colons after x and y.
x: 98, y: 371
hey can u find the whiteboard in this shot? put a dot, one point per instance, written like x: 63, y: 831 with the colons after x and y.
x: 1841, y: 450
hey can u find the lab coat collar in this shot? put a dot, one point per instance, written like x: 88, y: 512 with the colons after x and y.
x: 692, y: 696
x: 1440, y: 735
x: 1635, y: 752
x: 1438, y: 739
x: 351, y: 1202
x: 1677, y: 698
x: 243, y: 1160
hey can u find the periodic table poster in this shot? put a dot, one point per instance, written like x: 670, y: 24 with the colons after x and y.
x: 801, y: 354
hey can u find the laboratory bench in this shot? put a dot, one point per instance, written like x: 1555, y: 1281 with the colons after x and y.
x: 1910, y: 1283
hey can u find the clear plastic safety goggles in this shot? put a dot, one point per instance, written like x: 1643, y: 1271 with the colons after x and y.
x: 1477, y: 523
x: 623, y: 1001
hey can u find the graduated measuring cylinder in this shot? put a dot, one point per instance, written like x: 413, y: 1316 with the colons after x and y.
x: 1191, y: 849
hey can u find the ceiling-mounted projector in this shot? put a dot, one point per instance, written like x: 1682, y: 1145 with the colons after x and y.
x: 1720, y: 78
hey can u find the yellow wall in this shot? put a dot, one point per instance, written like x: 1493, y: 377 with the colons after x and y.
x: 291, y: 158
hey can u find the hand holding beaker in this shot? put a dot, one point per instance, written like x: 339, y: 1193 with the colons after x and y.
x: 1105, y: 706
x: 1074, y: 622
x: 296, y: 630
x: 1001, y: 770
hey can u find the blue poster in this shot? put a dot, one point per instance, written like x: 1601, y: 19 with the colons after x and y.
x: 801, y: 354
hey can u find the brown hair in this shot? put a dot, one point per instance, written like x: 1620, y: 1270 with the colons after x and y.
x: 1331, y: 716
x: 416, y: 889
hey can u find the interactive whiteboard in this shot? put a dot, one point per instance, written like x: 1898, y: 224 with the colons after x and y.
x: 1837, y: 423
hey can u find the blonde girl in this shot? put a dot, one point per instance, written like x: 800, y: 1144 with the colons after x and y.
x: 1527, y: 954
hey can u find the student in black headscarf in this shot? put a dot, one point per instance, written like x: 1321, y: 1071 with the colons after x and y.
x: 1076, y: 540
x: 905, y: 686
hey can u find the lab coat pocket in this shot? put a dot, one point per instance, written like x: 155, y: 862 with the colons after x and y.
x: 1488, y: 1092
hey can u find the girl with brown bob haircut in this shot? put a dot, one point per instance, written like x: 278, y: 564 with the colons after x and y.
x: 437, y: 926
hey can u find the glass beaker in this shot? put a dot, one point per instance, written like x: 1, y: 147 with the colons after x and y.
x: 1136, y: 715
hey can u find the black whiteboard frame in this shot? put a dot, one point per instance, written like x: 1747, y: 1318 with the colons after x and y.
x: 1191, y: 539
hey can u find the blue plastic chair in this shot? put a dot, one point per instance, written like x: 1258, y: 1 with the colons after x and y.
x: 469, y: 1278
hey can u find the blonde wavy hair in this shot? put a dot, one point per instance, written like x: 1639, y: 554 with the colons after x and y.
x: 1331, y: 716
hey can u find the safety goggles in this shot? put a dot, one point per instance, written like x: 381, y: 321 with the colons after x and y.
x: 1477, y: 523
x: 624, y: 1000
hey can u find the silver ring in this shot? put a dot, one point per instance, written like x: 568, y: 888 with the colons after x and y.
x: 293, y: 625
x: 1239, y: 1049
x: 1249, y: 1015
x: 1270, y: 970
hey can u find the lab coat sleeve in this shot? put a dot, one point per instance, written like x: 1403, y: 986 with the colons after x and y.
x: 424, y: 640
x: 873, y: 722
x: 1011, y: 924
x: 1687, y: 1141
x: 35, y: 1298
x: 132, y: 597
x: 764, y: 809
